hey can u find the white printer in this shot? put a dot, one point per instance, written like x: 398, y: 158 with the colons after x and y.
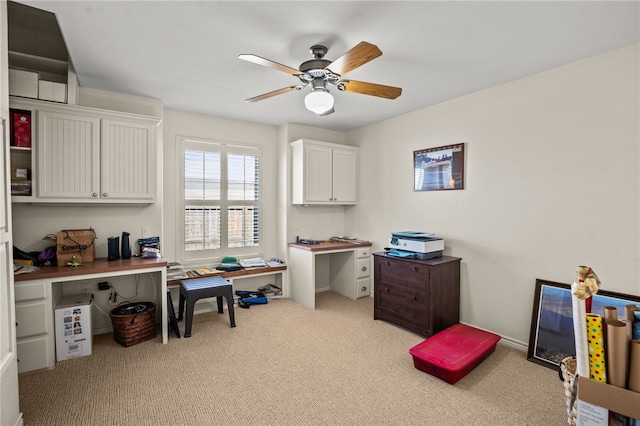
x: 414, y: 244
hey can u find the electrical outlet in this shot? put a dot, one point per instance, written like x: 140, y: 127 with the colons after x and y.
x: 146, y: 232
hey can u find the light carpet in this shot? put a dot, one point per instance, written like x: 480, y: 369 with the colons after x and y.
x: 285, y: 364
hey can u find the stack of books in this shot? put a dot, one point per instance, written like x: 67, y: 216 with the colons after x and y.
x: 175, y: 271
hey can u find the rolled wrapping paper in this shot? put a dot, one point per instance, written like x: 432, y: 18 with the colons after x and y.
x: 617, y: 352
x: 595, y: 342
x: 580, y: 333
x: 628, y: 311
x: 634, y: 366
x: 610, y: 312
x: 628, y: 315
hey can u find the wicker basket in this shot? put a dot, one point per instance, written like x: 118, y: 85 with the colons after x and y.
x: 133, y: 323
x: 568, y: 368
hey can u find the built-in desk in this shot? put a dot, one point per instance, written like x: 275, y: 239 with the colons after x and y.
x: 37, y: 294
x: 341, y: 267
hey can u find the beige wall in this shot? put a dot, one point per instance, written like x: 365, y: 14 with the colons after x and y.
x: 552, y: 182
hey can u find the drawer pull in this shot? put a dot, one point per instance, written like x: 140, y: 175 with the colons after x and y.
x: 95, y: 195
x: 363, y: 289
x: 386, y: 262
x: 414, y: 268
x: 364, y: 268
x: 388, y: 290
x: 415, y: 298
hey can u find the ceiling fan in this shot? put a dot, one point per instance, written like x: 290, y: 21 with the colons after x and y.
x: 320, y: 73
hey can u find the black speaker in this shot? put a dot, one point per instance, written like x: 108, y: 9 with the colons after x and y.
x: 113, y: 248
x: 126, y: 246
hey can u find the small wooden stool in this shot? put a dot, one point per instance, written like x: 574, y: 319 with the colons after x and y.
x: 193, y: 290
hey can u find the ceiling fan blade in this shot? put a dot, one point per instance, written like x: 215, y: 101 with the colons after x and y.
x: 274, y: 93
x: 359, y: 55
x: 372, y: 89
x: 269, y: 64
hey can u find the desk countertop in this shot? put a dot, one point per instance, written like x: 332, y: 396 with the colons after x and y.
x: 324, y: 246
x: 98, y: 266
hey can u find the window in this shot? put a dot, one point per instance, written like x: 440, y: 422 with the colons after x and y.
x: 221, y: 203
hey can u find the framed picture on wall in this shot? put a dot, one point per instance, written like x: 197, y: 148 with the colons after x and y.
x: 551, y: 337
x: 437, y: 169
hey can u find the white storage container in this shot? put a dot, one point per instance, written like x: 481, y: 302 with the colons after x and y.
x: 73, y: 326
x: 23, y: 83
x: 52, y: 91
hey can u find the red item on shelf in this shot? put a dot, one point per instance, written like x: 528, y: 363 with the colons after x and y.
x: 20, y: 128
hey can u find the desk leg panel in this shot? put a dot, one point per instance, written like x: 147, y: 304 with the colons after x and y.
x: 302, y: 283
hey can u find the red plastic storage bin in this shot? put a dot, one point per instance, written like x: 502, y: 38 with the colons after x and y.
x: 454, y: 352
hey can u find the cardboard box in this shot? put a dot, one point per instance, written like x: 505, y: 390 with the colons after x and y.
x: 76, y: 243
x: 52, y: 91
x: 73, y: 326
x: 613, y: 398
x: 20, y: 173
x: 23, y: 83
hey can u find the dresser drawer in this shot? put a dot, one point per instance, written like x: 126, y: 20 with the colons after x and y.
x: 410, y: 307
x: 31, y: 319
x: 30, y: 291
x: 363, y: 267
x: 402, y: 273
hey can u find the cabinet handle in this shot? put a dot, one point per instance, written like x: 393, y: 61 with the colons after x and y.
x: 363, y: 289
x: 95, y: 195
x: 364, y: 268
x: 104, y: 194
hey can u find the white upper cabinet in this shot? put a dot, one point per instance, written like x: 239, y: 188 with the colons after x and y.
x: 128, y: 159
x: 86, y: 155
x: 324, y: 173
x: 68, y: 156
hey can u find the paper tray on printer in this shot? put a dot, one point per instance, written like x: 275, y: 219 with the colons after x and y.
x: 401, y: 253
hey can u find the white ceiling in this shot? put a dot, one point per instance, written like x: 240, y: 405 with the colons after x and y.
x: 186, y: 52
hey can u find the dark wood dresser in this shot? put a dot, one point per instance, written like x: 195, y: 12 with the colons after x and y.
x: 420, y: 295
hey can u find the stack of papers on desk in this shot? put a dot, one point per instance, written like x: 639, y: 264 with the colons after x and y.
x: 175, y: 271
x: 253, y: 262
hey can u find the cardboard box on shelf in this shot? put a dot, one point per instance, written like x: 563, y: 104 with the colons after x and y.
x: 20, y: 173
x: 613, y: 398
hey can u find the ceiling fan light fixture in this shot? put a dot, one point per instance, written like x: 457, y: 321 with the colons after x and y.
x: 319, y: 101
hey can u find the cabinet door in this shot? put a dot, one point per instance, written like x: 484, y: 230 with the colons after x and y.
x: 128, y: 160
x: 318, y: 174
x: 345, y: 173
x: 68, y: 156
